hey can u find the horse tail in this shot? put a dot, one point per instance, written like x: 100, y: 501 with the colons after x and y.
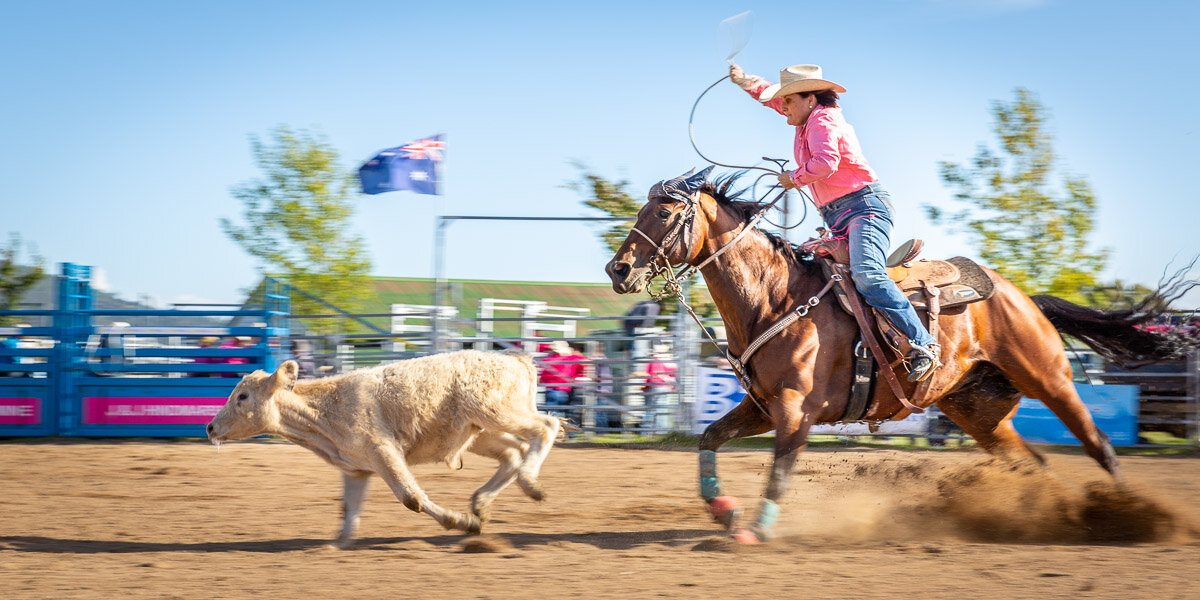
x: 1118, y: 335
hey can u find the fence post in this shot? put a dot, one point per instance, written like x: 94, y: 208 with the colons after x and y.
x: 1193, y: 379
x: 74, y: 297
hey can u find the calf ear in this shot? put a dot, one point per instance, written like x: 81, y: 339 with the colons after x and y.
x: 285, y: 376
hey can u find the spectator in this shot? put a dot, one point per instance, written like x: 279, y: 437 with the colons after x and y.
x: 578, y: 371
x: 602, y: 375
x: 233, y: 343
x: 660, y: 377
x: 207, y: 341
x: 559, y: 371
x: 302, y: 354
x: 641, y: 316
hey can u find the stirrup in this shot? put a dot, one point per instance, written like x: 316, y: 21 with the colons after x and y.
x: 931, y: 352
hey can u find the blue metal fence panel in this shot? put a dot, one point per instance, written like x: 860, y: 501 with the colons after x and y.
x: 27, y: 407
x: 1114, y: 408
x: 149, y: 407
x: 107, y: 387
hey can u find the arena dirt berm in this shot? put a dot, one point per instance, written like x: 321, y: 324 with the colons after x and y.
x: 174, y: 519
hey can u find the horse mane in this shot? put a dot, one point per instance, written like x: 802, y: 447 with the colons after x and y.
x: 721, y: 190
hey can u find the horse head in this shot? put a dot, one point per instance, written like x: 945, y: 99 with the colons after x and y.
x: 664, y: 234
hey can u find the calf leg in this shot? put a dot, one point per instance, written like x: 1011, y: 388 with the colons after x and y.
x: 354, y: 491
x: 506, y: 449
x: 541, y: 433
x: 391, y: 465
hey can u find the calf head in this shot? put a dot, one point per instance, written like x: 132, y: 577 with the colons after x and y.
x: 252, y: 408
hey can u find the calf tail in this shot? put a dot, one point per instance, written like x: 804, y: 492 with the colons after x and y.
x: 1118, y: 335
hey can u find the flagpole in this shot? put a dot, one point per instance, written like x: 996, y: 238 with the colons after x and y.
x: 439, y: 254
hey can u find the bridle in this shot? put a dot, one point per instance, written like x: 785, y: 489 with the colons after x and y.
x: 660, y: 264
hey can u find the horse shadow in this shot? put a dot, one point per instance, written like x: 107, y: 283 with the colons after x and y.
x: 603, y: 540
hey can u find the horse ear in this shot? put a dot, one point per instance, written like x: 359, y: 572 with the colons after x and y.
x: 694, y: 182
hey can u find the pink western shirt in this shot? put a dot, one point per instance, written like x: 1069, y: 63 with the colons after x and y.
x: 831, y: 162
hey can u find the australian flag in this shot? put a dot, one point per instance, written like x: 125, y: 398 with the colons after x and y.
x: 414, y: 166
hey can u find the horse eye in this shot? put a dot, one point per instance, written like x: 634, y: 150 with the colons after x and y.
x: 663, y: 213
x: 241, y: 396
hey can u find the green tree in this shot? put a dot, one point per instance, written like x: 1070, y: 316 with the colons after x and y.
x: 1032, y: 235
x: 16, y: 279
x: 609, y: 197
x: 612, y: 198
x: 297, y: 221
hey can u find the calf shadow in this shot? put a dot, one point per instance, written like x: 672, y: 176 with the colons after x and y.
x: 603, y: 540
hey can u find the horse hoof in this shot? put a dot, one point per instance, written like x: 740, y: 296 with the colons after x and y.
x: 725, y: 510
x: 745, y: 537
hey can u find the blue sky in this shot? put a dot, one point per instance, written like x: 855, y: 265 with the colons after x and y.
x: 126, y: 123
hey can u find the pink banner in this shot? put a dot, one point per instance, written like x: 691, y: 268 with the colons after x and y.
x: 20, y: 411
x: 150, y: 411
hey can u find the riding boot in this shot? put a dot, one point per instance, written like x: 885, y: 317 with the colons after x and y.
x: 922, y: 361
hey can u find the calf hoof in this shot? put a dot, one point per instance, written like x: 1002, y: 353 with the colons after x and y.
x: 343, y: 543
x: 474, y: 525
x: 745, y: 537
x: 483, y: 510
x: 725, y: 510
x: 463, y: 522
x: 533, y: 489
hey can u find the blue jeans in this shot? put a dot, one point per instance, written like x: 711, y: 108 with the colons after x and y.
x: 556, y: 398
x: 865, y: 218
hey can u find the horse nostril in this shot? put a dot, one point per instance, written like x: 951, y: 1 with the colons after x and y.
x: 209, y: 429
x: 621, y: 270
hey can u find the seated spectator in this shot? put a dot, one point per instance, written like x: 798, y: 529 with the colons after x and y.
x: 207, y: 341
x: 241, y: 341
x: 559, y: 371
x: 660, y: 377
x: 601, y: 373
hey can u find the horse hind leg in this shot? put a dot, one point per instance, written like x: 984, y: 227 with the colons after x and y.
x: 983, y: 407
x: 985, y: 410
x: 1066, y: 404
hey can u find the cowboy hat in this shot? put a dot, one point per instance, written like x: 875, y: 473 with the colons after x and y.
x: 796, y: 79
x: 560, y: 347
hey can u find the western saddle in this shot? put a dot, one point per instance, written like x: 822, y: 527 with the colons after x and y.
x: 930, y: 285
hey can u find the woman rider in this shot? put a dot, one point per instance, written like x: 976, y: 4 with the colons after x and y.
x: 846, y: 192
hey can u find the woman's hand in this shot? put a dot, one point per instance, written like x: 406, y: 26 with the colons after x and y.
x: 737, y: 76
x: 785, y: 180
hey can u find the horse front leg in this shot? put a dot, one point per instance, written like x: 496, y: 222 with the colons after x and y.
x: 747, y: 418
x: 793, y: 422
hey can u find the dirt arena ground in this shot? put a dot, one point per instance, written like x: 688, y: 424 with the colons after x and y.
x: 175, y: 520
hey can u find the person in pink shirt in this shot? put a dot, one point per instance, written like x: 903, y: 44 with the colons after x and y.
x: 660, y: 375
x: 846, y: 192
x: 560, y: 370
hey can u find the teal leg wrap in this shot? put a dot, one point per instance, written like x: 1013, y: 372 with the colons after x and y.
x: 709, y: 486
x: 768, y: 514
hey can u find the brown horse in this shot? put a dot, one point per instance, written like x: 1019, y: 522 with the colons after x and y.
x: 995, y: 351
